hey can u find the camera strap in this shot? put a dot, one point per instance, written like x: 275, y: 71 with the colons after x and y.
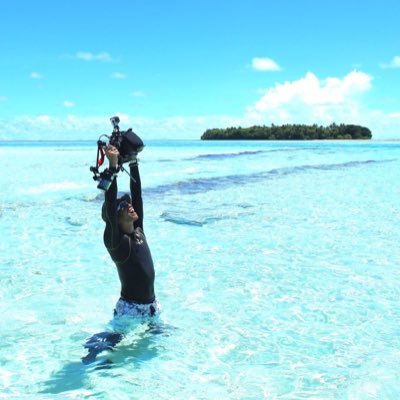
x: 100, y: 155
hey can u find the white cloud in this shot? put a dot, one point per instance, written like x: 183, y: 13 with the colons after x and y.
x: 118, y: 75
x: 69, y: 104
x: 394, y: 63
x: 137, y: 93
x: 74, y: 127
x: 87, y: 56
x: 311, y: 100
x: 43, y: 118
x: 36, y: 75
x: 3, y: 98
x: 264, y: 64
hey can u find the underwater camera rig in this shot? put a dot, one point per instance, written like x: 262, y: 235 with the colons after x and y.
x: 127, y: 143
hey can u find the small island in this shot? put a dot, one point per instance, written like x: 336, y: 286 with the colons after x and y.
x: 290, y: 132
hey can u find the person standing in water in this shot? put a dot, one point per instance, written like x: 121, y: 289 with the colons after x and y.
x: 127, y: 245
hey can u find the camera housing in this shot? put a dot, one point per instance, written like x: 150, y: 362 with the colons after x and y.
x: 128, y: 144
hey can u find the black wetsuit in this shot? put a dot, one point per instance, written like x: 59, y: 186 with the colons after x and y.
x: 130, y: 253
x: 132, y: 257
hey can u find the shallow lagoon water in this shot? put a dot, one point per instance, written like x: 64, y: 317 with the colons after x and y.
x: 277, y: 270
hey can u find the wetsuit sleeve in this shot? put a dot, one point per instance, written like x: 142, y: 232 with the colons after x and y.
x: 111, y: 232
x: 136, y: 194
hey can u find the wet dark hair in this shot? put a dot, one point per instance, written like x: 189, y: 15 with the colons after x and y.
x: 125, y: 197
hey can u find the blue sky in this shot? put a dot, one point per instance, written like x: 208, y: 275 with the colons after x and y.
x: 171, y: 69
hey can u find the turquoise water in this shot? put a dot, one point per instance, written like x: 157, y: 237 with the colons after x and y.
x: 277, y: 269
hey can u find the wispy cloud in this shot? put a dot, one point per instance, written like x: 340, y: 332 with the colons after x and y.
x: 44, y: 118
x: 137, y: 93
x: 394, y: 63
x: 69, y: 104
x: 35, y: 75
x: 3, y: 98
x: 264, y: 64
x: 173, y: 127
x: 88, y: 56
x: 118, y: 75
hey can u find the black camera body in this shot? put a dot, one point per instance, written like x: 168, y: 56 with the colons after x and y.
x: 128, y: 145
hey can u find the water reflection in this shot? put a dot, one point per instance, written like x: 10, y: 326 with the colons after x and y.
x: 134, y: 344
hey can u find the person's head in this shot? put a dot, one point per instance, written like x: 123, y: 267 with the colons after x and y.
x: 126, y: 213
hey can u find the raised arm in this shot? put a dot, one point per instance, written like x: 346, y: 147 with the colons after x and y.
x: 136, y: 193
x: 109, y: 212
x: 110, y: 215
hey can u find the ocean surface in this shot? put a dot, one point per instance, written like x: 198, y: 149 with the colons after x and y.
x: 277, y: 268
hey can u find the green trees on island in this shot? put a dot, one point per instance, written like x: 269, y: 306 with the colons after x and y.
x: 290, y: 132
